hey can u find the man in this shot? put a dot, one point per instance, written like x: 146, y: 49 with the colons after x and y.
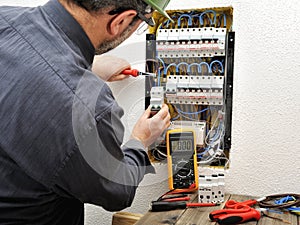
x: 61, y: 135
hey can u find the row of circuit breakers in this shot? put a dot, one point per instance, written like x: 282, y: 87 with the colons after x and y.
x: 194, y: 71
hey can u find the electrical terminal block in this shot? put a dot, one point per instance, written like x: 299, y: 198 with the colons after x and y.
x: 205, y: 190
x: 198, y: 127
x: 221, y: 187
x: 215, y: 188
x: 174, y: 35
x: 191, y: 42
x: 211, y: 188
x: 157, y: 99
x: 162, y: 35
x: 200, y: 90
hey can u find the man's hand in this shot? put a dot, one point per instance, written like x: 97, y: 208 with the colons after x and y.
x: 147, y: 130
x: 109, y: 67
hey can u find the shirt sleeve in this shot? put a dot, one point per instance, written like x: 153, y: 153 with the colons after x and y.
x: 105, y: 173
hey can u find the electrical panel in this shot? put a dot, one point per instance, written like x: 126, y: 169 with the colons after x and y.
x: 193, y: 58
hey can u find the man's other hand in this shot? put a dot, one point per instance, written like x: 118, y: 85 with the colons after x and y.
x: 147, y: 129
x: 109, y: 68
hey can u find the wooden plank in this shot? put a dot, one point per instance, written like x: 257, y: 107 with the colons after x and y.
x: 125, y: 218
x: 163, y: 218
x: 160, y: 218
x: 200, y: 215
x: 287, y: 218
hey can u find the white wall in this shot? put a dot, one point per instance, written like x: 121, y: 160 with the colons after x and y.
x: 266, y: 126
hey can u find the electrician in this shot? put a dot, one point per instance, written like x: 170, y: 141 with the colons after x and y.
x: 60, y: 127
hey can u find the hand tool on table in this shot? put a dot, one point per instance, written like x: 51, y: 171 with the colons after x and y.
x: 158, y: 206
x: 135, y: 73
x: 176, y: 199
x: 239, y: 212
x: 230, y: 216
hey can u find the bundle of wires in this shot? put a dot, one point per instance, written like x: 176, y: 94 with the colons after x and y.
x: 290, y: 202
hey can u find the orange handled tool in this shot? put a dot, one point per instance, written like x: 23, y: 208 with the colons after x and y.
x: 135, y: 73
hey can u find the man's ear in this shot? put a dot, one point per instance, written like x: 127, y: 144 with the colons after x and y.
x: 120, y: 22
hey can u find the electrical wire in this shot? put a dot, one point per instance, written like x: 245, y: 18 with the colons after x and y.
x: 207, y: 13
x: 159, y: 71
x: 191, y: 65
x: 180, y: 64
x: 270, y: 201
x: 190, y: 21
x: 168, y: 67
x: 191, y: 113
x: 218, y: 62
x: 206, y: 64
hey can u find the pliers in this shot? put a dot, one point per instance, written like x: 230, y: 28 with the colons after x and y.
x: 135, y: 73
x: 236, y: 212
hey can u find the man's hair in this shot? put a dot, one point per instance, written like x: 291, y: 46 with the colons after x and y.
x: 119, y: 5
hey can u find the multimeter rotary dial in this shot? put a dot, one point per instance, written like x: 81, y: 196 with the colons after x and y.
x: 183, y: 169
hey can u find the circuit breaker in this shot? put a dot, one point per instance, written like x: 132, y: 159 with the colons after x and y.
x: 193, y: 58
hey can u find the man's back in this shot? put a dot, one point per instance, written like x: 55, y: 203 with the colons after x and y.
x: 35, y: 104
x: 61, y: 135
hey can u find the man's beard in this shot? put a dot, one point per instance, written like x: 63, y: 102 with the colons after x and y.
x: 108, y: 45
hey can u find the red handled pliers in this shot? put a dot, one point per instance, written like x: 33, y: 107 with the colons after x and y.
x: 236, y: 212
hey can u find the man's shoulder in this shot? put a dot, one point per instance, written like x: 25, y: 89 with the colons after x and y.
x: 11, y: 12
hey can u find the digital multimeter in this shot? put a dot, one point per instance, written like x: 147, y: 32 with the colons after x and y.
x: 182, y: 159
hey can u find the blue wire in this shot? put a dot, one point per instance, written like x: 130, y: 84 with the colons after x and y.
x: 168, y: 67
x: 284, y: 200
x: 294, y: 208
x: 199, y: 155
x: 159, y: 73
x: 158, y: 77
x: 167, y: 23
x: 217, y: 61
x: 175, y: 118
x: 206, y: 12
x: 204, y: 63
x: 193, y: 64
x: 225, y: 23
x: 190, y: 22
x: 162, y: 62
x: 179, y: 64
x: 216, y: 135
x: 191, y: 113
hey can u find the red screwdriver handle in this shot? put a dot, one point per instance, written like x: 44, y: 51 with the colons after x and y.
x: 132, y: 72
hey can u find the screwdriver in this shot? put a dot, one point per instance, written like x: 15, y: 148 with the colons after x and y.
x: 159, y: 206
x: 135, y: 73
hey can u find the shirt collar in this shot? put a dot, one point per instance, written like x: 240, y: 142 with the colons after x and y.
x: 71, y: 28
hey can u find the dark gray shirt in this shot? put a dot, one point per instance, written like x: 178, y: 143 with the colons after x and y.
x: 60, y: 127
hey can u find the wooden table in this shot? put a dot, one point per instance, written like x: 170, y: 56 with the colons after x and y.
x: 199, y: 216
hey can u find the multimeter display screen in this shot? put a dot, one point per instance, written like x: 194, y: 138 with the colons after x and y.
x: 182, y: 145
